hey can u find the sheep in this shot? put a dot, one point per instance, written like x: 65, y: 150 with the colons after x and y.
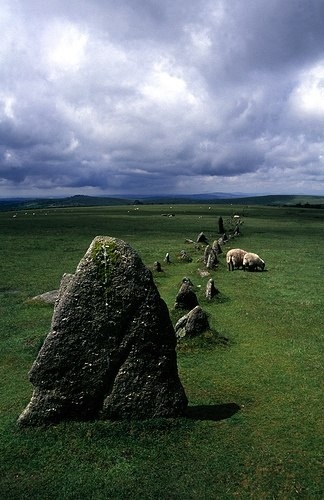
x: 253, y: 262
x: 234, y: 258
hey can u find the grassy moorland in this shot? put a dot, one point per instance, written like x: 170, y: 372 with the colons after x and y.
x: 254, y: 424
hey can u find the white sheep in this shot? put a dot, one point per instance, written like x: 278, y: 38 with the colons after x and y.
x: 253, y: 262
x: 234, y: 258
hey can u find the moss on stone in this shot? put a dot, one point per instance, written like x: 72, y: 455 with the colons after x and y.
x: 104, y: 254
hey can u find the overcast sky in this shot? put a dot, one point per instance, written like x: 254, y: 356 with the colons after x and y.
x: 151, y: 96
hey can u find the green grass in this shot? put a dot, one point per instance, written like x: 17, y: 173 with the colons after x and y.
x: 254, y: 425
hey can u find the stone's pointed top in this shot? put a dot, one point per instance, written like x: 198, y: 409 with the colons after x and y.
x: 110, y: 352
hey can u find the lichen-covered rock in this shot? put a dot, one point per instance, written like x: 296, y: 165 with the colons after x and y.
x: 110, y: 352
x: 192, y: 324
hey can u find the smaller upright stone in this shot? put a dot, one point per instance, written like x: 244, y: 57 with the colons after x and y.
x: 157, y: 267
x: 211, y: 290
x: 216, y: 247
x: 206, y: 254
x: 212, y: 260
x: 167, y: 258
x: 186, y: 297
x: 223, y: 239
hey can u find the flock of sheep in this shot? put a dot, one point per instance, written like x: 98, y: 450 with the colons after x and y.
x: 237, y: 258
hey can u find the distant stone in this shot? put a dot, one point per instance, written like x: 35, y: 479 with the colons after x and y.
x: 184, y: 257
x: 212, y: 260
x: 201, y: 238
x: 206, y: 253
x: 110, y: 352
x: 211, y: 290
x: 167, y: 258
x: 192, y: 324
x: 157, y: 267
x: 216, y: 247
x: 47, y: 297
x: 186, y: 297
x: 52, y: 296
x: 203, y: 273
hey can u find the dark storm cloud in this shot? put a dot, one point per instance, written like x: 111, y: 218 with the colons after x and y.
x: 180, y: 96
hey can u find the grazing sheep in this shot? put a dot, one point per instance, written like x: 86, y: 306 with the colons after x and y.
x: 234, y: 258
x: 253, y: 262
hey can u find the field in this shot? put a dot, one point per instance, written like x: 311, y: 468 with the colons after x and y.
x: 254, y: 427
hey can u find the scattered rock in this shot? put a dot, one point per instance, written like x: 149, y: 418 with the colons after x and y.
x: 211, y: 290
x: 53, y: 296
x: 216, y: 247
x: 203, y: 273
x: 192, y: 324
x: 184, y: 257
x: 212, y: 260
x: 206, y: 254
x: 201, y: 238
x: 47, y: 297
x: 111, y: 351
x: 157, y: 267
x: 167, y: 258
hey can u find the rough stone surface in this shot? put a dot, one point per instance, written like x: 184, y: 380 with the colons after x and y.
x: 192, y: 324
x: 110, y: 352
x: 186, y: 297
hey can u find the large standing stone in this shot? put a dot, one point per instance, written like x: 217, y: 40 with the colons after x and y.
x: 110, y: 352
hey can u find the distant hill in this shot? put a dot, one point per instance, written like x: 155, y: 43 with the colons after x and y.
x: 71, y: 201
x: 278, y: 200
x: 210, y: 198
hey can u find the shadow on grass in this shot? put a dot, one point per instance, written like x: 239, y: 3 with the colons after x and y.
x: 212, y: 412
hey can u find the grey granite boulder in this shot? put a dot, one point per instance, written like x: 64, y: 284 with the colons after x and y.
x: 192, y: 324
x: 110, y: 352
